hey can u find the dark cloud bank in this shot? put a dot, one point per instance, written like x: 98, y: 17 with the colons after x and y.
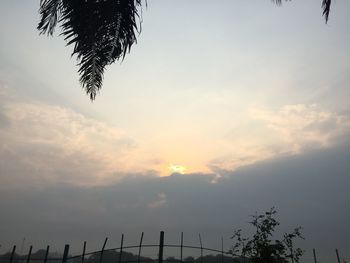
x: 311, y: 190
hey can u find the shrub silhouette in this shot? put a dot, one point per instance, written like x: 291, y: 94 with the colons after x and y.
x: 260, y: 248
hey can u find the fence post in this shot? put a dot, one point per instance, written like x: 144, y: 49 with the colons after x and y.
x: 13, y: 253
x: 314, y: 252
x: 139, y: 255
x: 103, y: 249
x: 161, y: 247
x: 222, y: 250
x: 46, y: 254
x: 336, y: 251
x: 65, y: 253
x: 181, y: 246
x: 200, y: 241
x: 121, y: 249
x: 29, y: 253
x: 84, y: 250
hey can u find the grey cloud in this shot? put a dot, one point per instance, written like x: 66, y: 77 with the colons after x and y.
x: 50, y: 144
x: 325, y: 126
x: 4, y: 122
x: 311, y: 190
x: 40, y: 165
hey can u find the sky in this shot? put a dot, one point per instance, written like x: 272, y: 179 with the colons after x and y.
x: 220, y: 110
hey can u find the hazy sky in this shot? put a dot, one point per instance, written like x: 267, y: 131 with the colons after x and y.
x: 245, y: 102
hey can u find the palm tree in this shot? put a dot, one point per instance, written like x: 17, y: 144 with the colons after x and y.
x: 101, y: 31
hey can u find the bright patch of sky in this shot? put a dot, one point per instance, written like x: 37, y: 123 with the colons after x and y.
x: 208, y: 85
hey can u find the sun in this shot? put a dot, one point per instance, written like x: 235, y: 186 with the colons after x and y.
x: 175, y: 168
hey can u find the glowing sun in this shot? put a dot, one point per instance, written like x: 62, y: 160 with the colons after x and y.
x: 175, y: 168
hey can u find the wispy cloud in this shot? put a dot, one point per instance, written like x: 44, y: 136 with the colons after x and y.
x: 52, y: 144
x: 301, y: 126
x: 289, y: 130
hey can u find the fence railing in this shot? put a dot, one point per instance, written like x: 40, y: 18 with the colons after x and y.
x: 222, y: 256
x: 122, y: 248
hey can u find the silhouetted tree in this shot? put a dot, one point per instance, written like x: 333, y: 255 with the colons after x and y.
x: 189, y: 259
x: 101, y: 31
x: 260, y: 248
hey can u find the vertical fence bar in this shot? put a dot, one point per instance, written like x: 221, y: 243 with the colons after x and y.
x: 83, y: 255
x: 121, y: 249
x: 200, y: 241
x: 315, y: 258
x: 103, y: 249
x: 65, y: 253
x: 181, y: 246
x: 13, y: 253
x: 139, y: 255
x: 222, y: 250
x: 29, y: 253
x: 46, y: 254
x: 338, y: 258
x: 161, y: 247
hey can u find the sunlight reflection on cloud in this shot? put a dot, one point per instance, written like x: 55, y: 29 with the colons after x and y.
x: 48, y: 144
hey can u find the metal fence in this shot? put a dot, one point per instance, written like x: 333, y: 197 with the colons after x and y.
x: 82, y: 258
x: 98, y: 256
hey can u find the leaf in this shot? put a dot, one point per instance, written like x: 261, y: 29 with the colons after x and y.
x: 326, y: 6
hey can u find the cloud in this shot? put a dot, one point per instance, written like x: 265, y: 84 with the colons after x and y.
x: 47, y: 144
x: 302, y: 126
x: 160, y: 202
x: 3, y: 120
x: 269, y: 134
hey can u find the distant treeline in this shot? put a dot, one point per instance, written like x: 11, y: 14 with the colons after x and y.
x: 111, y: 256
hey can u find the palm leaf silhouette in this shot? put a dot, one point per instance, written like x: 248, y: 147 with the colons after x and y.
x: 326, y: 6
x: 101, y: 31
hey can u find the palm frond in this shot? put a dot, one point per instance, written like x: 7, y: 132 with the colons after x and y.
x: 50, y: 12
x: 326, y: 6
x: 278, y: 2
x: 101, y: 32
